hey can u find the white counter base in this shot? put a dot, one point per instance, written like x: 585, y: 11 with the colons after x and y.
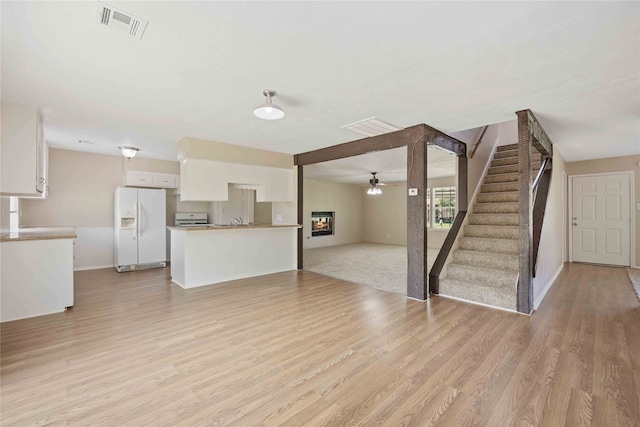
x: 37, y: 278
x: 206, y: 257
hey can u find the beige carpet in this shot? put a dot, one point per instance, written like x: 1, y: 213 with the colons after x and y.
x: 634, y: 275
x: 380, y: 266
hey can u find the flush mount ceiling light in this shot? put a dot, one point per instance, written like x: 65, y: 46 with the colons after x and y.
x: 374, y: 190
x: 128, y: 152
x: 268, y: 110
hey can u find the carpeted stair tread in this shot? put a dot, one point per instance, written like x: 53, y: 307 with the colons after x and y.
x: 499, y: 186
x: 503, y: 246
x: 501, y: 261
x: 502, y: 177
x: 498, y: 207
x: 510, y: 219
x: 486, y: 276
x: 500, y: 196
x: 497, y: 297
x: 492, y: 231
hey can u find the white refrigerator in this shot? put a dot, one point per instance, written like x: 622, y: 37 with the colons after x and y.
x: 140, y: 228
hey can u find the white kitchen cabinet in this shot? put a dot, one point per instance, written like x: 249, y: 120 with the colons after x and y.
x: 37, y: 278
x: 165, y: 180
x: 151, y: 179
x: 24, y: 152
x: 208, y: 180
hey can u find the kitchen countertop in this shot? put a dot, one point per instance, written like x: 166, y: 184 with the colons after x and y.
x: 39, y: 233
x: 231, y: 227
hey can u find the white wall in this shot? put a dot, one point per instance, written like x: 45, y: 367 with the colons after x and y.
x: 551, y: 253
x: 385, y: 215
x: 345, y: 200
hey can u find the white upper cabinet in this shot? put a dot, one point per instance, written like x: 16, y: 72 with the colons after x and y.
x: 151, y: 179
x: 208, y: 180
x: 23, y: 152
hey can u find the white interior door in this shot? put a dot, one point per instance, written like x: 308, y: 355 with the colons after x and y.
x: 152, y: 236
x: 600, y: 219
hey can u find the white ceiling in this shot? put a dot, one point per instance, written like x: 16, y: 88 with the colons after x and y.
x: 200, y: 69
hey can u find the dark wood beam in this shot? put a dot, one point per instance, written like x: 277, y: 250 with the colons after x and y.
x: 541, y: 140
x: 400, y: 138
x: 525, y: 280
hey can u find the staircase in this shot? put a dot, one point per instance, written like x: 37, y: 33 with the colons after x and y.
x: 485, y: 265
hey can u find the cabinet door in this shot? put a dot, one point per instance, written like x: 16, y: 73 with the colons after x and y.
x: 139, y: 179
x: 164, y: 181
x: 205, y: 180
x: 18, y: 146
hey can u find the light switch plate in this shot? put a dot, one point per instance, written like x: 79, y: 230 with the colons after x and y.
x: 413, y: 191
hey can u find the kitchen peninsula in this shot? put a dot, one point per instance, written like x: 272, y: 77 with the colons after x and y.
x: 217, y: 253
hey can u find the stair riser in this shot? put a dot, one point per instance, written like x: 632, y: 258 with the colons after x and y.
x: 487, y: 277
x: 505, y: 154
x: 509, y: 147
x: 505, y: 196
x: 494, y: 219
x: 496, y: 232
x: 510, y: 169
x: 503, y: 177
x: 503, y: 246
x: 513, y: 160
x: 498, y: 187
x: 486, y: 259
x: 482, y: 294
x: 495, y: 208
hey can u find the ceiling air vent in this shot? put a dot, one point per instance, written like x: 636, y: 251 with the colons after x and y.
x: 121, y: 20
x: 371, y: 127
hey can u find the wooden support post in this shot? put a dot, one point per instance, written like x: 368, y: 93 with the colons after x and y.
x: 525, y: 230
x: 417, y: 273
x: 300, y: 215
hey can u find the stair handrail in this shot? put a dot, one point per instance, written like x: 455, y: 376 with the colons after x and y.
x: 536, y: 181
x: 475, y: 147
x: 443, y: 253
x: 541, y: 192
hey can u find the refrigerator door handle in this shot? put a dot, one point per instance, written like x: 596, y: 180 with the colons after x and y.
x: 139, y: 219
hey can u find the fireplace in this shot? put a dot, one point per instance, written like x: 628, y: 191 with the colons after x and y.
x: 321, y: 223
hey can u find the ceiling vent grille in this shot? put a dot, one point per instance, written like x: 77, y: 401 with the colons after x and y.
x: 371, y: 127
x: 121, y: 20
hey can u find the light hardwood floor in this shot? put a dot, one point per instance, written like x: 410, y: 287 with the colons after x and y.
x: 301, y: 349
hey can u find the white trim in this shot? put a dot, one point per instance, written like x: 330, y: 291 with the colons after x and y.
x: 541, y: 295
x: 94, y: 267
x: 479, y: 303
x: 632, y: 209
x: 565, y: 213
x: 484, y: 173
x: 419, y: 300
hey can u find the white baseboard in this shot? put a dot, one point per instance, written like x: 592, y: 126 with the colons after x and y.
x: 635, y: 266
x: 93, y: 267
x: 547, y: 286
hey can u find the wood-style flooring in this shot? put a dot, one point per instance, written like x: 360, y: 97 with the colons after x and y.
x: 301, y: 349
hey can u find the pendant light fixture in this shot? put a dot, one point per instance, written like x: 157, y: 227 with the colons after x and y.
x: 374, y: 190
x: 128, y: 152
x: 268, y: 110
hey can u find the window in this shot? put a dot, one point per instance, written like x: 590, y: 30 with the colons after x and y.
x: 441, y: 207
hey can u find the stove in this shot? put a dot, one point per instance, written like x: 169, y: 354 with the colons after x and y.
x: 191, y: 219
